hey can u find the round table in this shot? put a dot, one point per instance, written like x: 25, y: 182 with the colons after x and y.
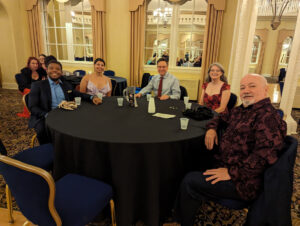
x: 143, y: 157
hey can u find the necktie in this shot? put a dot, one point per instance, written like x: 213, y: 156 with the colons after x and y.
x: 160, y: 87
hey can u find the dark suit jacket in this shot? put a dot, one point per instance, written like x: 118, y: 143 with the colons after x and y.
x: 40, y: 99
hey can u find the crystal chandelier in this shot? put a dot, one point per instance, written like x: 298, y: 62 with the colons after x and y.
x: 163, y: 14
x: 276, y: 8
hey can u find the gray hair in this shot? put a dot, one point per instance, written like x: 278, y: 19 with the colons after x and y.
x: 220, y: 66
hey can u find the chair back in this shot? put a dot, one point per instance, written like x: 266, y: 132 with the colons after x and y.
x: 18, y: 78
x: 81, y: 72
x: 2, y: 148
x: 183, y: 92
x: 32, y: 188
x: 232, y: 101
x: 109, y: 73
x: 113, y: 87
x: 280, y: 112
x: 145, y: 80
x: 273, y: 206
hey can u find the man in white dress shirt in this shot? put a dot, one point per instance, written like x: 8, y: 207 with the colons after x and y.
x: 164, y: 85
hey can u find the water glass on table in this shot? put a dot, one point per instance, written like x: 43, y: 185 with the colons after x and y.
x: 184, y: 123
x: 100, y: 95
x: 188, y: 106
x: 78, y: 100
x: 120, y: 101
x: 148, y: 96
x: 186, y: 100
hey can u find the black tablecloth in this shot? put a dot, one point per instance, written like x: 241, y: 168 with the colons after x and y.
x: 143, y: 157
x: 121, y: 82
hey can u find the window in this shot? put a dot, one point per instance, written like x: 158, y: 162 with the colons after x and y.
x: 67, y: 26
x: 255, y: 50
x: 175, y: 32
x: 286, y: 51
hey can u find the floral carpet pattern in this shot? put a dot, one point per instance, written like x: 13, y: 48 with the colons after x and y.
x: 16, y: 136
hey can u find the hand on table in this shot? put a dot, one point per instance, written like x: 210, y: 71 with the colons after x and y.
x: 164, y: 97
x: 97, y: 100
x: 138, y: 95
x: 220, y: 174
x: 211, y: 138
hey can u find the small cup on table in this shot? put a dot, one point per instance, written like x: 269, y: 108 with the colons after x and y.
x: 184, y: 123
x: 188, y: 106
x: 100, y: 95
x: 78, y: 100
x: 186, y: 100
x: 148, y: 96
x: 120, y: 101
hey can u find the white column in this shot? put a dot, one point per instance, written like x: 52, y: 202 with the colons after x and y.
x: 69, y: 34
x: 174, y: 36
x: 291, y: 79
x: 244, y: 29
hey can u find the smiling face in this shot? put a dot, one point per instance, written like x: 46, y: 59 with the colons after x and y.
x: 215, y: 72
x: 253, y: 88
x: 162, y: 68
x: 54, y: 71
x: 42, y: 59
x: 99, y: 67
x: 33, y: 65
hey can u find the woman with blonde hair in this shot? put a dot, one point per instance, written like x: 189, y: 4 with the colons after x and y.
x: 215, y: 91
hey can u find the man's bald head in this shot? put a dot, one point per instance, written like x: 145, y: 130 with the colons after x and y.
x: 253, y: 88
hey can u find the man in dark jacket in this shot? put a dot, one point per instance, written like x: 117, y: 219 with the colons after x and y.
x: 252, y: 141
x: 47, y: 94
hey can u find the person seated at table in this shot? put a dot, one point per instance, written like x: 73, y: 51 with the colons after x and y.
x: 48, y: 59
x: 42, y: 61
x: 31, y: 73
x: 215, y: 91
x: 96, y: 82
x: 47, y: 94
x: 164, y: 85
x: 252, y: 141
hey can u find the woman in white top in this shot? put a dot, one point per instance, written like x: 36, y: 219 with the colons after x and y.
x: 96, y: 82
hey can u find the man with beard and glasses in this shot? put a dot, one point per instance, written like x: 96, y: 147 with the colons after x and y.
x: 252, y: 141
x: 47, y: 95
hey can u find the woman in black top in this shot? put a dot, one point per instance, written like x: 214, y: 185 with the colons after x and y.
x: 32, y: 73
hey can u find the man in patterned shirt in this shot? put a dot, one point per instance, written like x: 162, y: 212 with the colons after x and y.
x: 164, y: 85
x: 251, y: 142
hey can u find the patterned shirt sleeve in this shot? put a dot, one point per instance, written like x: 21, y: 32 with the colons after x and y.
x: 269, y: 132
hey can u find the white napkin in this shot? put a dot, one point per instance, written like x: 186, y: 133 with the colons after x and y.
x: 161, y: 115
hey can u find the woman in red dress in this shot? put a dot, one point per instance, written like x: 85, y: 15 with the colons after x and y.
x: 215, y: 91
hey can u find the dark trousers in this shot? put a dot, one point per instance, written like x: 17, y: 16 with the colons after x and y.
x: 194, y: 190
x: 42, y: 133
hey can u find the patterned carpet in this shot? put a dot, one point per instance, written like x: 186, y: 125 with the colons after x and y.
x: 16, y: 136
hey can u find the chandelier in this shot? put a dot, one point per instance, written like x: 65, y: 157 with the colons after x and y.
x: 163, y: 14
x: 276, y: 8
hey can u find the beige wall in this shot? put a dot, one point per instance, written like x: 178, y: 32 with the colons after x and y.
x: 268, y: 61
x: 14, y: 45
x: 118, y: 37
